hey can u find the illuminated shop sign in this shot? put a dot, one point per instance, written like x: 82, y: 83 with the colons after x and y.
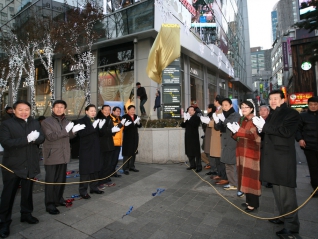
x: 306, y: 66
x: 300, y: 99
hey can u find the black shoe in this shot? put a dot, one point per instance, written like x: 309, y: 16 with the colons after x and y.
x: 198, y: 170
x: 285, y: 232
x: 29, y: 219
x: 53, y: 211
x: 116, y: 175
x: 4, y: 230
x: 126, y: 172
x: 86, y: 196
x: 134, y: 170
x: 190, y: 168
x: 276, y: 221
x: 250, y: 209
x: 63, y: 204
x: 211, y: 173
x: 269, y: 185
x: 97, y: 192
x: 244, y: 204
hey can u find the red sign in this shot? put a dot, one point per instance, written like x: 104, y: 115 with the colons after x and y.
x: 188, y: 6
x: 300, y: 98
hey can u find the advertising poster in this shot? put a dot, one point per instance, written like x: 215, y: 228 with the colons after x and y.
x: 300, y: 100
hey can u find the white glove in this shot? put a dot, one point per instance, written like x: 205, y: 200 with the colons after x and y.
x: 115, y: 129
x: 69, y: 126
x: 236, y: 127
x: 221, y: 116
x: 258, y: 122
x: 128, y: 123
x: 230, y: 127
x: 240, y: 112
x: 205, y: 119
x: 188, y: 116
x: 95, y: 123
x: 33, y: 136
x: 101, y: 123
x: 216, y: 119
x: 137, y: 120
x: 184, y: 116
x: 78, y: 127
x: 123, y: 121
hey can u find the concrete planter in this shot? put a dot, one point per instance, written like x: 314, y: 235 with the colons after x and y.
x: 161, y: 145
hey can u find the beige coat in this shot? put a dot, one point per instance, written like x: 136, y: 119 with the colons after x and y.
x: 215, y: 139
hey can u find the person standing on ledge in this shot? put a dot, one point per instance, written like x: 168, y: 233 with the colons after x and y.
x: 142, y: 95
x: 158, y: 104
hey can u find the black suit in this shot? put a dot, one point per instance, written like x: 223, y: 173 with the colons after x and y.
x: 278, y: 161
x: 22, y: 158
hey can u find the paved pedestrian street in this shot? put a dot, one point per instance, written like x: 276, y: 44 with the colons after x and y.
x: 188, y: 208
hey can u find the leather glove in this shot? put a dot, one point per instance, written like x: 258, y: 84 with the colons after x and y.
x: 115, y: 129
x: 128, y: 123
x: 69, y: 126
x: 78, y: 127
x: 216, y: 119
x: 235, y: 126
x: 95, y: 123
x: 101, y: 123
x: 221, y: 117
x: 205, y: 119
x: 240, y: 112
x: 123, y: 121
x: 137, y: 120
x: 230, y: 127
x: 258, y: 122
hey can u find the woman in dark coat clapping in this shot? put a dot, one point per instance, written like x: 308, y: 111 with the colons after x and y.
x: 89, y: 153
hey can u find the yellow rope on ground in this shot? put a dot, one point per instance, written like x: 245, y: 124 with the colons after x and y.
x: 249, y: 214
x: 69, y: 183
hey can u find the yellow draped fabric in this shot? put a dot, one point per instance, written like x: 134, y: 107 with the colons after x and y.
x: 164, y: 50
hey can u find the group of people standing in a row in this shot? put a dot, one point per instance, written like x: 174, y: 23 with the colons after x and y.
x: 245, y: 150
x: 101, y: 135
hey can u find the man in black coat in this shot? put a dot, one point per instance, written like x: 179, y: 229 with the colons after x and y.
x: 191, y: 139
x: 142, y: 95
x: 307, y: 136
x: 278, y: 158
x: 19, y: 136
x: 130, y: 140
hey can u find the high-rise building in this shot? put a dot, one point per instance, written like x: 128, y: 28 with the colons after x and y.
x: 215, y: 52
x: 274, y: 25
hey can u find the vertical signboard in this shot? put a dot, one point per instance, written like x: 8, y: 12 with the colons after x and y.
x: 285, y: 56
x: 171, y: 91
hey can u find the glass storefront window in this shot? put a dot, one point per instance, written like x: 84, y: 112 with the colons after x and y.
x: 222, y: 89
x: 73, y: 95
x: 119, y: 53
x: 212, y: 89
x: 115, y: 83
x: 42, y: 98
x: 196, y: 91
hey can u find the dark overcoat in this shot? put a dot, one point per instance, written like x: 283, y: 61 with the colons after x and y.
x: 19, y: 155
x: 131, y: 137
x: 106, y: 135
x: 278, y: 153
x: 191, y: 136
x: 89, y: 151
x: 228, y: 144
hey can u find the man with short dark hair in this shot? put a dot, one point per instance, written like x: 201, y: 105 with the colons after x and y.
x: 19, y: 136
x: 56, y: 154
x: 8, y: 113
x: 278, y: 158
x: 307, y: 136
x: 142, y: 95
x: 131, y: 139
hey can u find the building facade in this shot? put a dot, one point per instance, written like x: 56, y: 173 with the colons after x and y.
x: 214, y: 55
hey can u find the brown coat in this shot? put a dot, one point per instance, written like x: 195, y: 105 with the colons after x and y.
x: 215, y: 139
x: 56, y: 147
